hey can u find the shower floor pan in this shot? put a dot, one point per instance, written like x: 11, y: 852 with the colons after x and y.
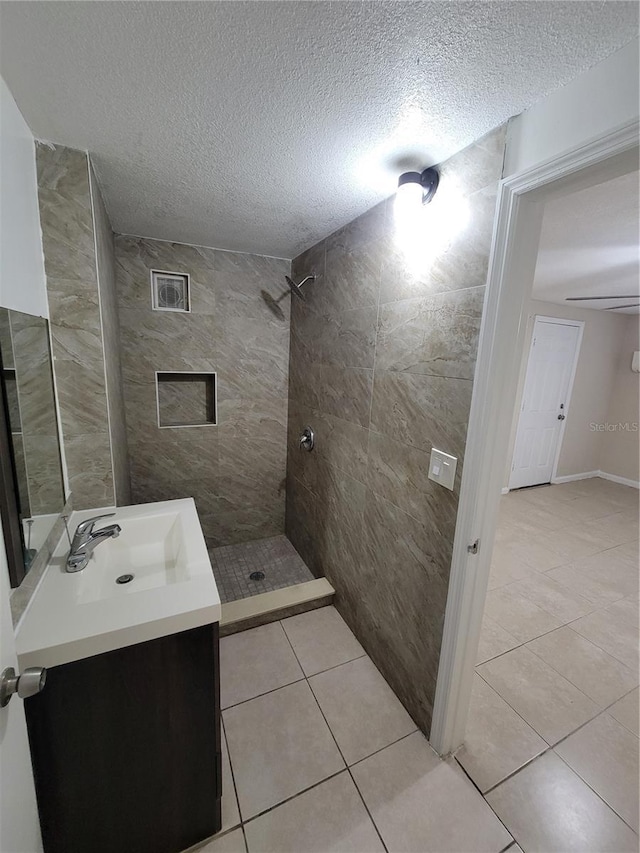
x: 288, y: 587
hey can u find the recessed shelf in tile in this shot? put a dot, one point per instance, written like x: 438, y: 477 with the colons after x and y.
x: 186, y: 399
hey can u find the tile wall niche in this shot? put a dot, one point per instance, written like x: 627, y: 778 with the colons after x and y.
x: 80, y: 290
x: 234, y: 469
x: 381, y: 367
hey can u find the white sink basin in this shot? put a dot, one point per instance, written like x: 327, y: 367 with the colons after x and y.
x: 152, y: 549
x: 77, y: 615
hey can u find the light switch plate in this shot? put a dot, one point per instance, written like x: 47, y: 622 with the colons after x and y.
x: 442, y: 468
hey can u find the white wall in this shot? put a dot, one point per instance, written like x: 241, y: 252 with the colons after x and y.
x: 603, y: 345
x: 22, y: 278
x: 23, y: 288
x: 598, y: 101
x: 620, y: 453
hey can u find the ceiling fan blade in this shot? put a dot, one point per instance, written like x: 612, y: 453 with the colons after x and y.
x: 618, y: 307
x: 589, y: 298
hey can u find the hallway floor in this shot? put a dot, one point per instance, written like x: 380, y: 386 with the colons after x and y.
x: 319, y: 754
x: 552, y: 736
x: 275, y: 557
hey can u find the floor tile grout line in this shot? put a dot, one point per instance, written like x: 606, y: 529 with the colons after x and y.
x: 600, y: 797
x: 548, y: 663
x: 366, y: 808
x: 293, y: 797
x: 464, y: 771
x: 233, y: 775
x: 266, y: 692
x: 596, y: 607
x: 551, y: 745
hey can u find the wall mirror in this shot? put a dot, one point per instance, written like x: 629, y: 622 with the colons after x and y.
x: 32, y: 488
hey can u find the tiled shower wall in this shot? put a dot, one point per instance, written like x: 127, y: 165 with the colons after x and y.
x: 81, y: 325
x: 235, y: 470
x: 381, y: 367
x: 106, y: 266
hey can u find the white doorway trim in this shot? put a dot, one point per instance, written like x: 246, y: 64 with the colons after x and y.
x: 559, y: 321
x: 513, y: 254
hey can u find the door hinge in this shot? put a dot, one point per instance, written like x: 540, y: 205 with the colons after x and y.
x: 473, y: 548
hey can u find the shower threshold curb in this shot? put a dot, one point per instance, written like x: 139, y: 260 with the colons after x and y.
x: 272, y: 606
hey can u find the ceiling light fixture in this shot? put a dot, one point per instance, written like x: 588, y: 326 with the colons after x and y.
x: 417, y: 188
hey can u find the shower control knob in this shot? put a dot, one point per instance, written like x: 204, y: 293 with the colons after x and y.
x: 307, y: 439
x: 28, y: 684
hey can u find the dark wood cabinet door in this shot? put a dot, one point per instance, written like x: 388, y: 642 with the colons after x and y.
x: 126, y: 748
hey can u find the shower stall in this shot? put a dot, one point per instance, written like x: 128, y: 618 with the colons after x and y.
x: 205, y: 367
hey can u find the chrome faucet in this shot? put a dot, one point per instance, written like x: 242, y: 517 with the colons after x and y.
x: 86, y: 539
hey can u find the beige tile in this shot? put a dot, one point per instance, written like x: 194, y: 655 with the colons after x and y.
x: 627, y: 712
x: 547, y: 807
x: 599, y: 589
x: 321, y: 639
x: 617, y: 637
x: 537, y: 555
x: 605, y: 755
x: 552, y: 597
x: 620, y: 528
x: 587, y: 508
x: 330, y: 818
x: 507, y: 566
x: 518, y: 615
x: 598, y: 675
x: 626, y: 610
x: 279, y: 745
x: 254, y: 662
x: 232, y: 842
x: 361, y: 709
x: 230, y: 810
x: 422, y: 804
x: 494, y: 640
x: 547, y: 701
x: 497, y: 741
x: 579, y: 540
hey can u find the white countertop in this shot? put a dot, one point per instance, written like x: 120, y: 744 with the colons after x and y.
x: 77, y: 615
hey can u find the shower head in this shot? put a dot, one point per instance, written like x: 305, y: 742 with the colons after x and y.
x: 296, y: 288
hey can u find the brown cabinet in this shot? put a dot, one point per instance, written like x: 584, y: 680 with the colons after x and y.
x: 126, y: 748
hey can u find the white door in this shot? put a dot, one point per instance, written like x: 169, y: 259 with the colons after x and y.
x: 545, y: 400
x: 19, y: 827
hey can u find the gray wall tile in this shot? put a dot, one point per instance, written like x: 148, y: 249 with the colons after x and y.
x: 381, y: 366
x: 71, y: 266
x: 236, y: 470
x: 110, y: 329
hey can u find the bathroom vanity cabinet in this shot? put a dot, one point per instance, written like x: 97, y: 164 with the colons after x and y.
x: 126, y: 747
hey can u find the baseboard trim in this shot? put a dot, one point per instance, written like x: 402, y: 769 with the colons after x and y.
x: 569, y: 478
x: 624, y: 481
x: 505, y: 490
x: 587, y: 475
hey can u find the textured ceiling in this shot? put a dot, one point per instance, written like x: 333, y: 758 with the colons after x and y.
x: 589, y: 246
x: 264, y: 126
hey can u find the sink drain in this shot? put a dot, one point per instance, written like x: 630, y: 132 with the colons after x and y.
x: 124, y: 579
x: 257, y: 576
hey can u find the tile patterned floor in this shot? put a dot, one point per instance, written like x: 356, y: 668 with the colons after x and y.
x: 275, y: 556
x: 552, y: 737
x: 320, y: 756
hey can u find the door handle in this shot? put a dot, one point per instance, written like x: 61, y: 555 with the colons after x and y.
x: 561, y: 417
x: 31, y: 681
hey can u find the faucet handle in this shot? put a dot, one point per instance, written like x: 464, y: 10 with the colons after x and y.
x: 86, y: 526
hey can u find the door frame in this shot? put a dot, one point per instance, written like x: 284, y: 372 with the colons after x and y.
x: 514, y: 249
x: 558, y: 321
